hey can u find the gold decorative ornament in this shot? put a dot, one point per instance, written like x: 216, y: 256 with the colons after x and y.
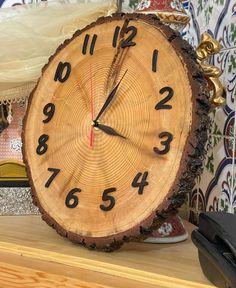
x: 208, y: 47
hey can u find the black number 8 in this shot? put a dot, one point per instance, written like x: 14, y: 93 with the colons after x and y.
x: 42, y: 147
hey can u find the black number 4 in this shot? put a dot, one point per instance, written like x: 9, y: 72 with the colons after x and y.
x: 106, y: 197
x: 142, y: 182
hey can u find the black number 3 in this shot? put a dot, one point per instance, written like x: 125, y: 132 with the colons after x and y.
x: 165, y: 143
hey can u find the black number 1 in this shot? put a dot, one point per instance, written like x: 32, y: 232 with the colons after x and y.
x: 154, y: 60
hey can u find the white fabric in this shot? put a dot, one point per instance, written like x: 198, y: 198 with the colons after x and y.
x: 29, y: 34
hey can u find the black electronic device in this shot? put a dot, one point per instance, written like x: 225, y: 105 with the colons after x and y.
x: 216, y: 243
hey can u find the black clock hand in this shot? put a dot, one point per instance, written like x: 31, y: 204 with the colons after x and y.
x: 109, y: 98
x: 108, y: 130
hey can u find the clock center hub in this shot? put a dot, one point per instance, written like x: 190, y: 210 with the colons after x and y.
x: 95, y: 124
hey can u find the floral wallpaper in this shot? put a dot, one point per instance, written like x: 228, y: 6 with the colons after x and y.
x: 215, y: 189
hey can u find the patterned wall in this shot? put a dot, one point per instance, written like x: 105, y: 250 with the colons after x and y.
x: 216, y: 188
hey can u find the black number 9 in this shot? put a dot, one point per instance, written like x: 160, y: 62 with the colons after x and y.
x: 42, y: 147
x: 72, y: 198
x: 48, y: 110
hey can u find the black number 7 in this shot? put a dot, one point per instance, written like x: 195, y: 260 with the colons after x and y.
x: 54, y: 171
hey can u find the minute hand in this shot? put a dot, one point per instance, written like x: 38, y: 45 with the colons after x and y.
x: 109, y: 98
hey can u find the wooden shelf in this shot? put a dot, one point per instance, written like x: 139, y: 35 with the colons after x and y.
x: 33, y: 255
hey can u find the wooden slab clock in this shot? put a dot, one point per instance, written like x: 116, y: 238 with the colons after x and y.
x: 115, y: 130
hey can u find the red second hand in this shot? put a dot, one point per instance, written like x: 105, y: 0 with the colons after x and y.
x: 91, y: 106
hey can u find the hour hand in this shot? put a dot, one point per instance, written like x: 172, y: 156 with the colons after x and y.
x: 108, y: 130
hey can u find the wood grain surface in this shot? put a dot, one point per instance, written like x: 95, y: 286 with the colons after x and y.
x: 74, y: 203
x: 32, y: 254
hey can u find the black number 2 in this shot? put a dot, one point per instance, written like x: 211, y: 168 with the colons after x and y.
x: 42, y: 147
x: 165, y: 143
x: 142, y: 183
x: 106, y: 197
x: 128, y: 41
x: 162, y: 104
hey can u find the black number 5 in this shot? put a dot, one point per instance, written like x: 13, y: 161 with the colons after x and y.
x: 165, y: 143
x: 106, y: 197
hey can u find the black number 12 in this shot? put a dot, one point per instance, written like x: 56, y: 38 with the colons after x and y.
x: 125, y: 42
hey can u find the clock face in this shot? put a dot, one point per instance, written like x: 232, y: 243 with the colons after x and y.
x: 107, y: 126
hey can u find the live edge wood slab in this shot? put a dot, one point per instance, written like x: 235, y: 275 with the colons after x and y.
x: 112, y: 165
x: 32, y: 255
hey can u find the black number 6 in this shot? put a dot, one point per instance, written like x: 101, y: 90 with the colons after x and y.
x: 165, y: 143
x: 72, y: 197
x: 106, y: 197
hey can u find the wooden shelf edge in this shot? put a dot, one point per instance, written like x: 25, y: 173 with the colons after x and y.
x: 101, y: 267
